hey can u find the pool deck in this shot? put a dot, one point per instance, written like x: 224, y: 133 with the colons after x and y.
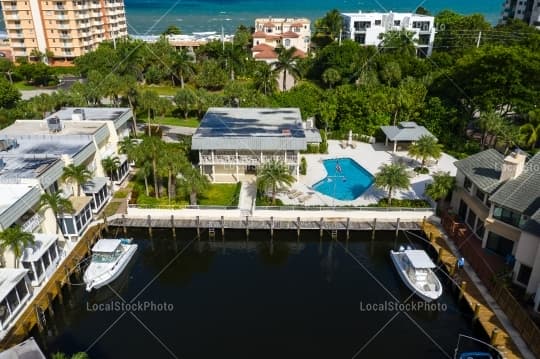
x: 371, y: 157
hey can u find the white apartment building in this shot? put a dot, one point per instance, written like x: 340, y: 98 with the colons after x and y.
x: 367, y: 28
x: 280, y: 32
x: 525, y: 10
x: 68, y: 28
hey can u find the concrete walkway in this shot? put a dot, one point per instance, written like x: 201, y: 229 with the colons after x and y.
x: 499, y: 313
x: 247, y: 197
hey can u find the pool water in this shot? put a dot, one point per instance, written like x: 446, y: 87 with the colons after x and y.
x: 346, y: 179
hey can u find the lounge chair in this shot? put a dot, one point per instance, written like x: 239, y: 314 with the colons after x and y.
x: 304, y: 198
x: 343, y: 144
x: 353, y: 145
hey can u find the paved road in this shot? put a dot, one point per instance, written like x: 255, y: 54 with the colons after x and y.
x: 65, y: 85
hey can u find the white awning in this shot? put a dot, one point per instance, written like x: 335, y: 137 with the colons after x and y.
x: 419, y: 259
x: 106, y: 245
x: 42, y: 242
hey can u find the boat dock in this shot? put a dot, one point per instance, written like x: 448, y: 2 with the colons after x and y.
x: 483, y: 314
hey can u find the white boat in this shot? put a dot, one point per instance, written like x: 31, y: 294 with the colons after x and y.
x: 109, y: 258
x: 416, y: 269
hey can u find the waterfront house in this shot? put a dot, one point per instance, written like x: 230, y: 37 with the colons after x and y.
x: 233, y: 142
x: 41, y: 259
x: 367, y: 28
x: 15, y: 292
x: 498, y: 197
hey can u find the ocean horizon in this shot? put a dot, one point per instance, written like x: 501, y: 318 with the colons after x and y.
x: 150, y: 17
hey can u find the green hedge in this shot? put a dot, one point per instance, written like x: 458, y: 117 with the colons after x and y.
x: 406, y: 203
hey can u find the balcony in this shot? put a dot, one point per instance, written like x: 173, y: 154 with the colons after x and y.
x: 32, y: 223
x: 13, y: 17
x: 18, y: 45
x: 19, y: 53
x: 16, y: 35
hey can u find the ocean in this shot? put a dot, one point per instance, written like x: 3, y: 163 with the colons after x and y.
x: 147, y: 17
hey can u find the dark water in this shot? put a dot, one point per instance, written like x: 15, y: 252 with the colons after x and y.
x: 238, y: 299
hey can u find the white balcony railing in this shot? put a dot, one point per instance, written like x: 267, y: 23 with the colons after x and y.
x: 34, y: 222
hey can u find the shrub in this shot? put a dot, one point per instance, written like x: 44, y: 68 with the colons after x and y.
x: 303, y: 166
x: 421, y: 170
x: 408, y: 203
x: 323, y: 147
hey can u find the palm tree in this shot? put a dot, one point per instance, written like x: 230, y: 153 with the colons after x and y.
x: 286, y: 62
x: 80, y: 355
x: 78, y: 174
x: 182, y: 65
x: 265, y: 78
x: 331, y: 77
x: 530, y: 131
x: 171, y: 162
x: 424, y: 148
x: 441, y: 187
x: 148, y: 101
x: 401, y: 42
x: 56, y: 203
x: 490, y: 123
x: 151, y: 149
x: 15, y: 239
x: 110, y: 165
x: 185, y: 99
x: 127, y: 146
x: 273, y: 174
x: 194, y: 183
x: 391, y: 177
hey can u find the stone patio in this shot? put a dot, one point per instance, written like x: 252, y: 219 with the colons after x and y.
x: 371, y: 157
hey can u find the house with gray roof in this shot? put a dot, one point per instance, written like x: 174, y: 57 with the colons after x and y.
x: 233, y: 142
x: 498, y: 197
x: 405, y: 132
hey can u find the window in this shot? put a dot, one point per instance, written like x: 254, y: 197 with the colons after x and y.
x: 462, y: 212
x: 480, y: 229
x: 287, y: 42
x: 480, y: 195
x: 397, y: 22
x: 360, y: 38
x: 31, y: 275
x: 499, y: 244
x: 507, y: 216
x: 467, y: 184
x: 524, y: 274
x: 377, y: 22
x: 471, y: 218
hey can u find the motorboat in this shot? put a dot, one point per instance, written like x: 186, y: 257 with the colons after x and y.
x: 109, y: 258
x: 416, y: 270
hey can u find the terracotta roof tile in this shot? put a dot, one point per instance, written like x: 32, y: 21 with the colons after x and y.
x: 290, y: 34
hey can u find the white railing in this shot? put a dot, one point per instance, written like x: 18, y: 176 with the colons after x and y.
x: 34, y: 222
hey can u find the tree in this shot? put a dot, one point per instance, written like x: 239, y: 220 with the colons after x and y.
x: 211, y: 75
x: 7, y: 68
x: 78, y: 174
x: 194, y: 183
x: 401, y: 42
x: 15, y: 239
x: 328, y: 28
x: 265, y: 78
x: 392, y: 177
x: 530, y: 132
x: 80, y: 355
x: 185, y: 99
x: 57, y: 203
x: 331, y: 77
x: 490, y: 123
x: 152, y: 149
x: 171, y: 162
x: 273, y: 174
x: 128, y: 147
x: 286, y: 62
x: 182, y: 65
x: 172, y: 30
x: 442, y: 185
x: 148, y: 101
x: 110, y: 165
x: 425, y: 147
x: 422, y: 11
x: 9, y: 95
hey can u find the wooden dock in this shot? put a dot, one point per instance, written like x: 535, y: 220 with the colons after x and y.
x: 341, y: 224
x: 470, y: 293
x: 34, y: 312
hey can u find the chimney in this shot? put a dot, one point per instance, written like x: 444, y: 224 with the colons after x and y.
x: 513, y: 165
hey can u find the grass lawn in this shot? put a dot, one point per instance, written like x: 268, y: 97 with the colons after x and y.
x: 220, y: 194
x: 161, y: 89
x: 174, y: 121
x: 112, y: 208
x: 22, y: 86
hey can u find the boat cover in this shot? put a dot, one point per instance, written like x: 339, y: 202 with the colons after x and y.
x: 419, y: 259
x: 106, y: 245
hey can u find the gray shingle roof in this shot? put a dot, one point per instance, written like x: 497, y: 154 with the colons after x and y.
x: 483, y: 169
x: 255, y: 129
x: 533, y: 224
x: 406, y: 131
x: 522, y: 194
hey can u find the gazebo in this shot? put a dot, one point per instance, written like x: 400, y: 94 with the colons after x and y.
x: 404, y: 132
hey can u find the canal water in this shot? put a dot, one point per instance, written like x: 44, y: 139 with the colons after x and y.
x: 257, y: 299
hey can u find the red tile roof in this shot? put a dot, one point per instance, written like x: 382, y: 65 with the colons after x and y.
x: 266, y: 54
x: 290, y: 34
x: 261, y: 47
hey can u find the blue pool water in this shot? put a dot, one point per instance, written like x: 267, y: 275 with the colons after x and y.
x: 346, y: 179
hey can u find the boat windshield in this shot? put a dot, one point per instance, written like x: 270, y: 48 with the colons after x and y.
x: 101, y: 257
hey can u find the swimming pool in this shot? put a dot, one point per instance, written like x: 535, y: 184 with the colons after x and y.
x: 346, y: 179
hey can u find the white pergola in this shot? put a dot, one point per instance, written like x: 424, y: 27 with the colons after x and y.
x: 404, y: 132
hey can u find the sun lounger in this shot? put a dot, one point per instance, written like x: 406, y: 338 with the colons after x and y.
x: 343, y: 144
x: 304, y: 198
x: 293, y: 194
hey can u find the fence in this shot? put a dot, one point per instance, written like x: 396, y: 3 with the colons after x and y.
x: 343, y: 209
x: 518, y: 315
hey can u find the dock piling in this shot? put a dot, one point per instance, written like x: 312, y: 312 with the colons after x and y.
x: 494, y: 336
x: 173, y: 227
x: 198, y: 220
x: 373, y: 228
x: 272, y: 227
x: 149, y: 219
x: 247, y: 227
x: 397, y: 228
x: 222, y: 228
x: 40, y: 318
x: 50, y: 304
x: 60, y: 294
x: 462, y: 288
x: 298, y: 227
x: 124, y: 228
x: 348, y: 227
x: 321, y: 227
x: 476, y: 312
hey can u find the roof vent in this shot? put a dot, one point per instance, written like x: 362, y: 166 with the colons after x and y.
x: 78, y: 115
x: 54, y: 124
x: 8, y: 144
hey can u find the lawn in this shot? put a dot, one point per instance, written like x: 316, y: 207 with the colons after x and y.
x: 221, y: 194
x: 161, y: 90
x: 174, y: 121
x: 112, y: 208
x: 23, y: 86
